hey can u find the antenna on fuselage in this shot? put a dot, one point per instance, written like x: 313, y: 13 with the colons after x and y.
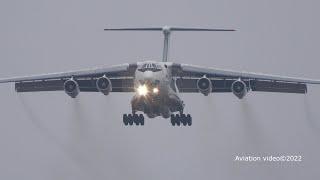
x: 166, y: 32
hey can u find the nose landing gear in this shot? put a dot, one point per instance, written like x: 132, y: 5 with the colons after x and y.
x: 179, y: 119
x: 130, y: 119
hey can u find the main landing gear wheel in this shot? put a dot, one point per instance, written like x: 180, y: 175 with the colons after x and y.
x: 181, y: 119
x: 130, y: 119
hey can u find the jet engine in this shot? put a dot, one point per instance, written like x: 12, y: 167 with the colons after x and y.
x: 239, y: 88
x: 204, y: 85
x: 104, y: 85
x: 71, y: 87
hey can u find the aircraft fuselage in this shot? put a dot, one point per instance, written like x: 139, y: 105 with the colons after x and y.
x: 156, y: 94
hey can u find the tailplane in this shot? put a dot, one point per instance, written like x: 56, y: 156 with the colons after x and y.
x: 166, y: 32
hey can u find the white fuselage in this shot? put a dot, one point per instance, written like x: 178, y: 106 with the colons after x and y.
x: 161, y: 98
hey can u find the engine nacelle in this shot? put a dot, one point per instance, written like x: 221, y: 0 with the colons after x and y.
x: 71, y: 87
x: 239, y: 88
x: 204, y: 85
x: 104, y: 85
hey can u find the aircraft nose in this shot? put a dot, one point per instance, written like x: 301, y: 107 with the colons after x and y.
x: 149, y: 78
x: 148, y: 75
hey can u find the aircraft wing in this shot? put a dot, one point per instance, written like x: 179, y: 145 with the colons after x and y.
x: 188, y: 75
x: 121, y: 77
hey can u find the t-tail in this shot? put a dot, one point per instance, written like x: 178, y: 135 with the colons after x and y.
x: 166, y: 32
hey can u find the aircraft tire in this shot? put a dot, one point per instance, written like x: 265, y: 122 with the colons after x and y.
x: 136, y: 119
x: 125, y: 119
x: 173, y: 120
x: 141, y: 119
x: 178, y: 120
x: 189, y: 120
x: 183, y: 119
x: 130, y: 119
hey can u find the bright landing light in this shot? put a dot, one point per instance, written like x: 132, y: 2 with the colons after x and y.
x: 155, y: 90
x: 142, y: 90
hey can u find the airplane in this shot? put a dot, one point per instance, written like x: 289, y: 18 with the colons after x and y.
x: 157, y: 84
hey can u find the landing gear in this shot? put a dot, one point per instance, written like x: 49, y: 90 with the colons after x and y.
x: 130, y: 119
x: 179, y: 119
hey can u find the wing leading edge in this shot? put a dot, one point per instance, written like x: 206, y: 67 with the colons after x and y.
x: 121, y: 77
x: 220, y: 73
x: 113, y: 71
x: 187, y: 76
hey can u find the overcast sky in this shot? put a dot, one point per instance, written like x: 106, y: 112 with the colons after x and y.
x: 48, y: 135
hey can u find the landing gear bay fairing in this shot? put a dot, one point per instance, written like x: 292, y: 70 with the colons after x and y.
x: 156, y: 85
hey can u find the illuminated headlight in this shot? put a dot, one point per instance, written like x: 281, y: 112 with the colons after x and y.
x: 142, y: 90
x: 155, y: 90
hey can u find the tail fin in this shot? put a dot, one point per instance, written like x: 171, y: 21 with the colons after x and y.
x: 166, y: 31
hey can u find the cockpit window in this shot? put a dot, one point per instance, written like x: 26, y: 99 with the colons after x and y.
x: 150, y: 67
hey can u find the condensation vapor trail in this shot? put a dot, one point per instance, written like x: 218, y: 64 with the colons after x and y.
x: 76, y: 159
x: 312, y: 122
x: 82, y: 140
x: 251, y: 127
x: 30, y: 115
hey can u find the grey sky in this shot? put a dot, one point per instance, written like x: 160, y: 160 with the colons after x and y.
x: 51, y: 136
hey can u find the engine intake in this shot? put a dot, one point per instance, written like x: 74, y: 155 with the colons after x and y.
x: 71, y: 87
x: 104, y: 85
x: 204, y: 85
x: 239, y: 88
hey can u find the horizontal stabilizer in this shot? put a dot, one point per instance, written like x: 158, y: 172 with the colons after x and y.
x: 133, y: 29
x: 166, y: 28
x: 198, y: 29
